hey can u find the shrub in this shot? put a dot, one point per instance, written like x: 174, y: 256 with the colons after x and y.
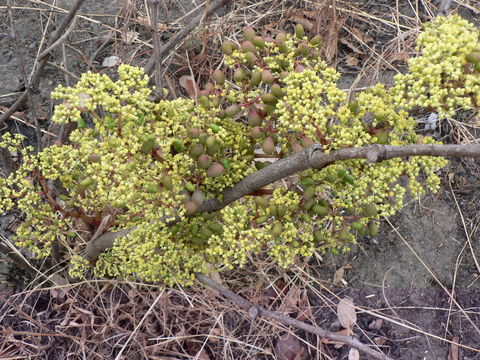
x: 149, y: 166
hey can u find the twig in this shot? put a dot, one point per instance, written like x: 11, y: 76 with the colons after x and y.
x: 310, y: 158
x: 465, y: 229
x: 257, y: 310
x: 443, y: 8
x: 59, y: 41
x: 142, y: 320
x: 158, y: 93
x: 6, y: 161
x: 108, y: 38
x: 41, y: 62
x: 19, y: 260
x: 21, y: 64
x: 26, y: 123
x: 180, y: 36
x: 63, y: 70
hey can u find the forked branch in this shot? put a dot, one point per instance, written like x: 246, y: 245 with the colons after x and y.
x: 310, y: 158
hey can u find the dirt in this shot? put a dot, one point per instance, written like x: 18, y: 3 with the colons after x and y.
x: 428, y: 310
x: 424, y: 245
x: 420, y: 254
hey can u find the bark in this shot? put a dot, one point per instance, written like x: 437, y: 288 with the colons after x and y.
x: 310, y: 158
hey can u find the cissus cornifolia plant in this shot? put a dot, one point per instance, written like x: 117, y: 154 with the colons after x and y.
x: 148, y: 166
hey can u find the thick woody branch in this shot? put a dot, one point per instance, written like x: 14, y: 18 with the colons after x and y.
x: 310, y: 158
x: 314, y: 158
x: 96, y: 246
x: 257, y: 310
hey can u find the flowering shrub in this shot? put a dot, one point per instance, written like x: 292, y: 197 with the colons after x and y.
x: 149, y: 165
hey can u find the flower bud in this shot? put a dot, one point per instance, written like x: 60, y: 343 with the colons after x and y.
x: 259, y: 42
x: 299, y: 31
x: 204, y: 161
x: 215, y: 170
x: 268, y: 145
x: 228, y: 47
x: 249, y: 33
x: 267, y: 77
x: 218, y: 76
x: 239, y: 74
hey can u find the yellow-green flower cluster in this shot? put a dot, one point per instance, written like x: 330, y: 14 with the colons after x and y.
x: 287, y: 237
x: 128, y: 158
x: 311, y: 99
x: 152, y: 252
x: 149, y: 165
x: 239, y: 239
x: 438, y: 79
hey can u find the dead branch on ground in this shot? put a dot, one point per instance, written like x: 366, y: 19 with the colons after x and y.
x: 180, y: 36
x: 42, y: 61
x: 255, y: 311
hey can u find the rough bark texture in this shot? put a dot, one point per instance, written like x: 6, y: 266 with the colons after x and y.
x: 310, y: 158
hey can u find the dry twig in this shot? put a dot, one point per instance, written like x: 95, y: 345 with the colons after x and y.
x: 42, y: 62
x: 158, y: 93
x: 257, y: 310
x: 21, y: 64
x: 180, y: 36
x: 19, y: 260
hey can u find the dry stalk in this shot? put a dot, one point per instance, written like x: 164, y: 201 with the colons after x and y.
x: 180, y: 36
x: 158, y: 93
x: 42, y: 62
x: 259, y: 311
x: 19, y: 260
x: 21, y: 64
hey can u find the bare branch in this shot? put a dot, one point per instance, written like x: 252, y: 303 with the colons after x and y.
x: 443, y: 8
x: 21, y: 64
x: 158, y: 93
x: 59, y: 41
x: 42, y: 62
x: 257, y: 310
x: 310, y: 158
x: 180, y: 36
